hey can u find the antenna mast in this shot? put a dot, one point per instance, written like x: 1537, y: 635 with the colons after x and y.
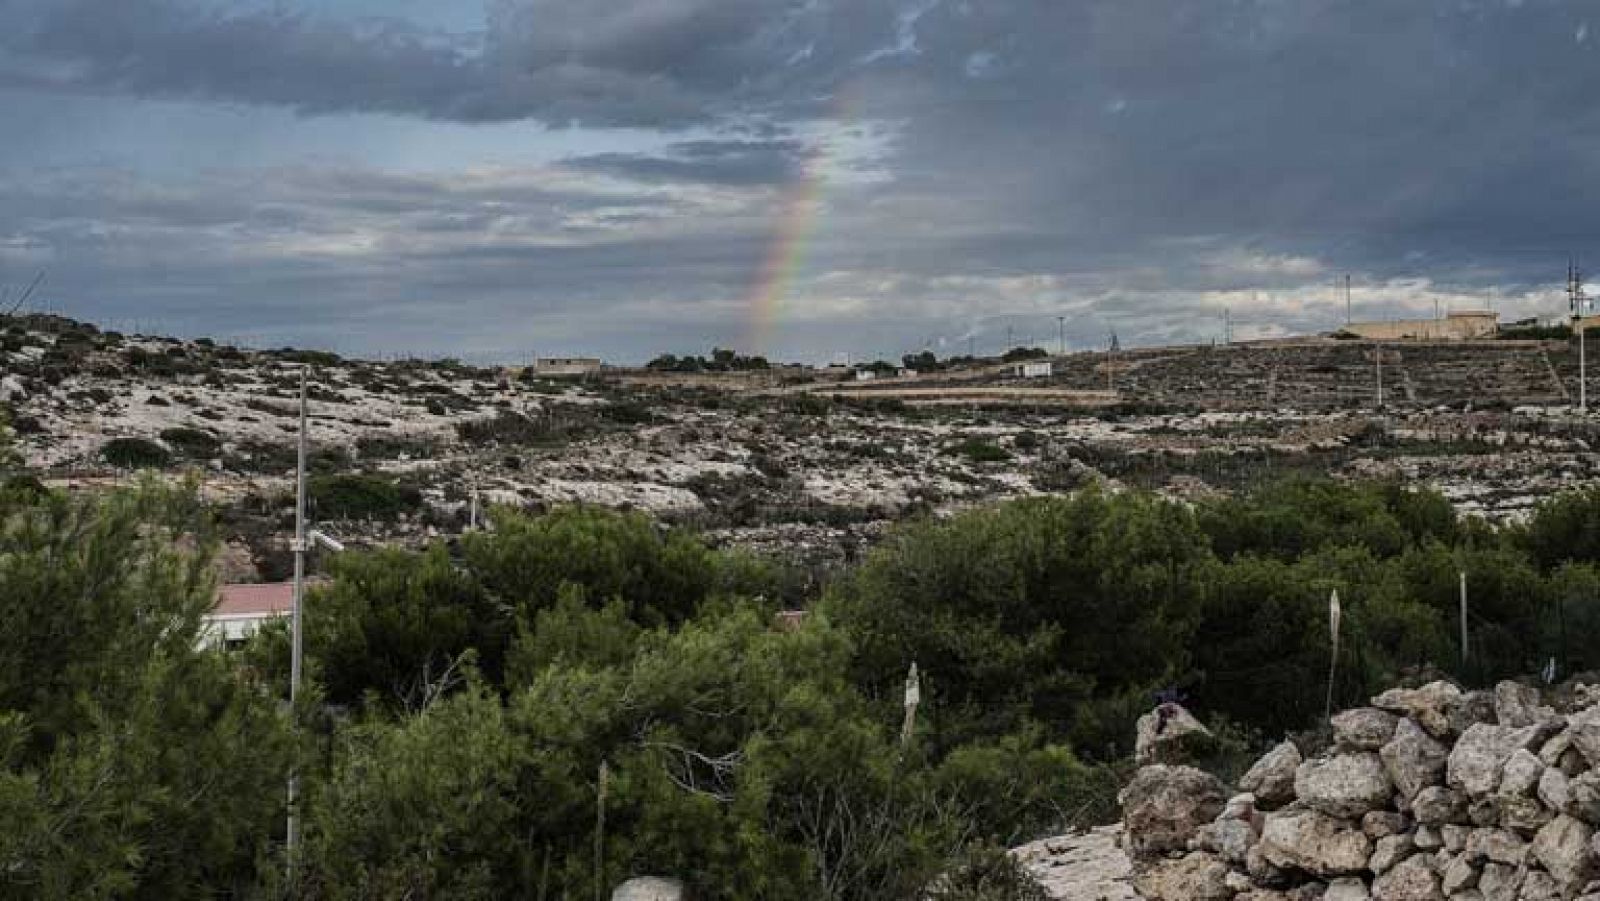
x: 1576, y: 301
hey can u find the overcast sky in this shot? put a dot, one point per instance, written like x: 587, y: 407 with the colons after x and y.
x: 497, y: 179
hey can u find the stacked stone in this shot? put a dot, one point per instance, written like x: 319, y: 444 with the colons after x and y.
x: 1428, y: 794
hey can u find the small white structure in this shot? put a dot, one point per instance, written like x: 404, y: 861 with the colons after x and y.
x: 242, y: 609
x: 566, y: 366
x: 1035, y: 369
x: 865, y: 375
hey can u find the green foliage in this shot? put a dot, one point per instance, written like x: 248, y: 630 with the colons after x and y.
x: 1565, y: 528
x: 134, y: 453
x: 1293, y: 517
x: 362, y: 496
x: 131, y: 764
x: 661, y: 575
x: 987, y: 872
x: 1063, y: 611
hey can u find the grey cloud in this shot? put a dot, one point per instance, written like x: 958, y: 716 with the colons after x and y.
x: 715, y: 162
x: 651, y: 63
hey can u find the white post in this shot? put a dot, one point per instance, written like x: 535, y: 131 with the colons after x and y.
x: 1463, y: 616
x: 1334, y: 617
x: 472, y: 524
x: 912, y: 700
x: 292, y: 836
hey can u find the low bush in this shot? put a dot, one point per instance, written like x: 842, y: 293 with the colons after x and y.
x: 134, y: 453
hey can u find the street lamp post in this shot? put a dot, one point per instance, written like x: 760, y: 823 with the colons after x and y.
x: 292, y: 835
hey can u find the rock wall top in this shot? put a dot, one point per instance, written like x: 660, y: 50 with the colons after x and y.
x: 1427, y: 794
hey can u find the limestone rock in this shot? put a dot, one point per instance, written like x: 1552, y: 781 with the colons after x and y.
x: 1475, y: 764
x: 1499, y: 882
x: 1555, y: 790
x: 1458, y: 875
x: 1346, y: 889
x: 1516, y: 705
x: 1388, y: 851
x: 1314, y: 842
x: 1521, y: 773
x: 1497, y: 845
x: 1164, y: 806
x: 1430, y: 705
x: 1345, y: 785
x: 1230, y: 839
x: 1087, y: 866
x: 1437, y: 805
x: 1168, y: 734
x: 1584, y: 727
x: 1585, y: 796
x: 1414, y: 759
x: 649, y: 888
x: 1537, y: 885
x: 1363, y: 728
x: 1522, y: 814
x: 1411, y: 879
x: 1563, y: 847
x: 1195, y: 877
x: 1271, y: 779
x: 1379, y: 823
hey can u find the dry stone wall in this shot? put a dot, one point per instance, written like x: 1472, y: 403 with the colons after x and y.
x: 1427, y: 794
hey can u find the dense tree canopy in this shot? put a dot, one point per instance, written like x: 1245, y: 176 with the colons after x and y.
x: 465, y: 699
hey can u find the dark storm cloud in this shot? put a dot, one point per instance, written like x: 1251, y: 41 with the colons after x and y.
x: 662, y: 63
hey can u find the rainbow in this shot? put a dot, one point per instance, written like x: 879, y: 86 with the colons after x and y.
x: 802, y: 203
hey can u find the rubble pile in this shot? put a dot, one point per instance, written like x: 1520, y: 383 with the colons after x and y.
x: 1428, y: 794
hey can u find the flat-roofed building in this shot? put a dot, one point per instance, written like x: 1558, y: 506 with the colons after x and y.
x: 1463, y: 325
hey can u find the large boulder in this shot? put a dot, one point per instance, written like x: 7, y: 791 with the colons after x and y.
x: 1363, y: 728
x: 1164, y: 806
x: 1562, y: 846
x: 1431, y: 705
x: 1584, y: 727
x: 1315, y: 842
x: 1412, y: 879
x: 1517, y: 705
x: 1414, y: 759
x: 1480, y: 755
x: 1271, y: 780
x: 649, y: 888
x: 1169, y: 734
x: 1344, y: 785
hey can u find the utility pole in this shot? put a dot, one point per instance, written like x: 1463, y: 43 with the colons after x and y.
x: 292, y: 835
x: 1378, y: 357
x: 1061, y: 336
x: 1347, y: 317
x: 1227, y: 326
x: 1463, y: 617
x: 1575, y: 301
x: 971, y: 349
x: 1009, y: 342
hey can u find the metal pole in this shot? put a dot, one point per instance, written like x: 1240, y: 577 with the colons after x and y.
x: 1378, y: 355
x: 1464, y: 617
x: 1061, y: 335
x: 1347, y: 319
x: 1583, y: 369
x: 292, y: 836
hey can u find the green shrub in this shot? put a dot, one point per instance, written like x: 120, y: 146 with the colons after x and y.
x: 191, y: 442
x: 978, y: 450
x: 134, y: 453
x: 362, y: 496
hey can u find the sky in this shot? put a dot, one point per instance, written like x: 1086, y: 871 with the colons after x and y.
x: 807, y: 179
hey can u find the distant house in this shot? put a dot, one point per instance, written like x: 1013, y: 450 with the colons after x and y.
x: 1034, y: 369
x: 865, y: 375
x: 566, y: 366
x: 242, y: 609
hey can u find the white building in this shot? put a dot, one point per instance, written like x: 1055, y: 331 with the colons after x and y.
x: 242, y: 609
x: 1035, y: 369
